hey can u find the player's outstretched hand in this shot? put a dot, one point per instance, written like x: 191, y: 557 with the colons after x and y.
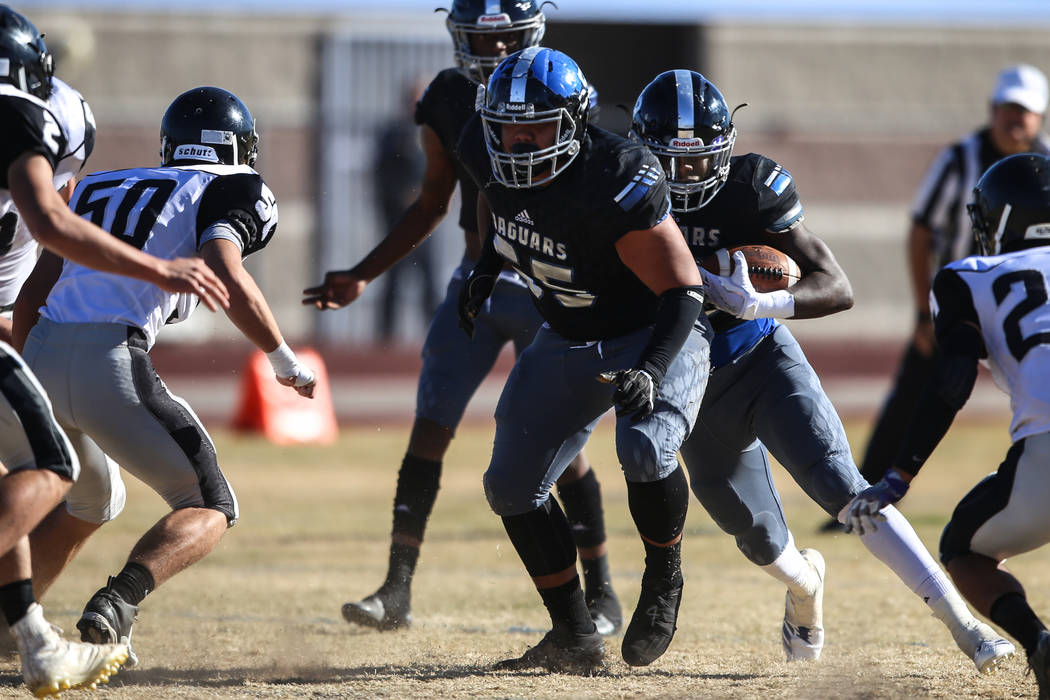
x: 304, y: 382
x: 193, y: 276
x: 472, y: 295
x: 635, y: 392
x: 733, y: 293
x: 340, y: 287
x: 865, y: 511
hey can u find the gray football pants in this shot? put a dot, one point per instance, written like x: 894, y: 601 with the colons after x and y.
x: 112, y: 403
x: 552, y: 401
x: 454, y: 364
x: 768, y: 398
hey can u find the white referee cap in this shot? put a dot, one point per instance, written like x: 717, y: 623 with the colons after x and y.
x: 1023, y: 85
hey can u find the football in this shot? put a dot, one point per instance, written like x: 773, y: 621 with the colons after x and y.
x: 769, y: 269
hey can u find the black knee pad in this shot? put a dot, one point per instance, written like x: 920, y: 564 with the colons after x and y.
x: 659, y: 507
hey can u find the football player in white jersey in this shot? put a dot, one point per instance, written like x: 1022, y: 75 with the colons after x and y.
x: 41, y: 463
x: 992, y: 308
x: 90, y: 349
x: 18, y: 248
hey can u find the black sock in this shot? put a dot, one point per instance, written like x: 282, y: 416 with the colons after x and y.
x: 133, y: 583
x: 664, y: 562
x: 402, y: 566
x: 1011, y: 612
x: 15, y: 599
x: 417, y: 486
x: 582, y: 500
x: 566, y: 607
x: 596, y: 575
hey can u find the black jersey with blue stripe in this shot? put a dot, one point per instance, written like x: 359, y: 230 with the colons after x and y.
x: 562, y: 236
x: 446, y: 105
x: 758, y: 199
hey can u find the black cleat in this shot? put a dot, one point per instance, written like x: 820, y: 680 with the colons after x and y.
x: 107, y: 619
x: 562, y: 651
x: 605, y: 611
x: 653, y: 623
x: 383, y: 610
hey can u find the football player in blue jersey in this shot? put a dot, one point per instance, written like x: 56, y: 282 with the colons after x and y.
x: 484, y: 32
x: 583, y: 216
x: 991, y: 307
x: 763, y: 395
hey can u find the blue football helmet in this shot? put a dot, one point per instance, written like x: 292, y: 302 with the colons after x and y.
x: 684, y: 120
x: 1011, y: 205
x: 519, y: 23
x: 540, y: 86
x: 28, y: 64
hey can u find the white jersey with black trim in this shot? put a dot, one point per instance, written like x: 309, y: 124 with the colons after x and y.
x: 1011, y: 302
x: 77, y: 123
x: 168, y: 212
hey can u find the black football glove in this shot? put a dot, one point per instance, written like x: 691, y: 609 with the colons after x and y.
x: 635, y: 392
x: 476, y: 289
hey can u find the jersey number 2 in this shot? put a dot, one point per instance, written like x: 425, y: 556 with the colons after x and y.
x: 131, y: 202
x: 1034, y: 297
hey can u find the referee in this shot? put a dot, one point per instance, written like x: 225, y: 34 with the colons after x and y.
x: 940, y: 233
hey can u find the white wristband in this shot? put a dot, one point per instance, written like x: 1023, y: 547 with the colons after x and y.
x: 778, y: 304
x: 283, y: 361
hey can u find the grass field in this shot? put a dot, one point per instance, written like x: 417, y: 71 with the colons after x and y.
x: 260, y: 618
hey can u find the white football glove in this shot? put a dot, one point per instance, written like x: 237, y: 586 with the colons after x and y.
x: 303, y: 381
x: 735, y: 294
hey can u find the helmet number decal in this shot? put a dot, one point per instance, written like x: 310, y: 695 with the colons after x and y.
x: 134, y: 206
x: 1034, y: 288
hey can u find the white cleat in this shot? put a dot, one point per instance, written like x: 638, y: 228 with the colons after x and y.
x: 51, y: 664
x: 803, y: 629
x: 984, y: 646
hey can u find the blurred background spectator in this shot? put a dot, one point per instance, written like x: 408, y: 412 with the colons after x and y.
x: 398, y: 170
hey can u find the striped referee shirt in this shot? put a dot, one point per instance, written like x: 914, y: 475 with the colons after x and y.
x: 940, y: 203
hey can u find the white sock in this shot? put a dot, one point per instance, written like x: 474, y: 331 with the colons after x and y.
x: 791, y: 569
x: 897, y: 546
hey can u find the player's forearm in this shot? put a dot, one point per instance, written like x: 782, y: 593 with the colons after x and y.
x: 821, y: 293
x: 250, y: 312
x: 73, y: 238
x: 33, y: 295
x: 418, y: 221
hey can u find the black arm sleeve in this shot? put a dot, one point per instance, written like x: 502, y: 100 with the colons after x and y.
x: 947, y: 391
x: 490, y: 262
x: 679, y: 309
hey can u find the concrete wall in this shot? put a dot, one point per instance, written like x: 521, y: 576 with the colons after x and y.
x: 855, y: 113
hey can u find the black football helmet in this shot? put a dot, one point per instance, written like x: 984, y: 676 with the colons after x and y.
x: 521, y: 24
x: 537, y: 85
x: 208, y: 125
x: 1011, y: 205
x: 684, y: 120
x: 24, y: 59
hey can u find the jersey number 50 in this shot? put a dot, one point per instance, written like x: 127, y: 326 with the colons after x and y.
x: 133, y: 205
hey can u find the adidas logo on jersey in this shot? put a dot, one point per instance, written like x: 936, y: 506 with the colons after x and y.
x: 523, y: 217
